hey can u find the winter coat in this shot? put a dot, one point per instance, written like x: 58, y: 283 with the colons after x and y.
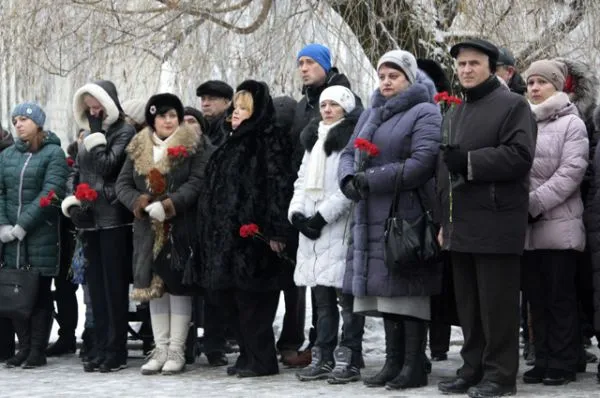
x: 308, y: 108
x: 249, y: 180
x: 561, y: 158
x: 323, y: 261
x: 25, y: 177
x: 184, y: 177
x: 100, y: 166
x: 216, y: 130
x: 497, y: 129
x: 406, y: 129
x: 6, y: 139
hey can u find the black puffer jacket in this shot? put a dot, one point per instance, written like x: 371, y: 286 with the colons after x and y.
x: 100, y: 165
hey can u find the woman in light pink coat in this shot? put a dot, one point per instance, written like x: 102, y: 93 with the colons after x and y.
x: 555, y: 233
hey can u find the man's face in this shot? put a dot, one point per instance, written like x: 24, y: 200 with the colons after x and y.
x: 193, y: 123
x: 473, y: 67
x: 213, y: 107
x: 311, y: 72
x: 505, y: 72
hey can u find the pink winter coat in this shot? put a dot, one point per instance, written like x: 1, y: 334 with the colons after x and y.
x: 561, y: 159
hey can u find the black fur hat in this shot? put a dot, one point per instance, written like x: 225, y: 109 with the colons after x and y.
x: 161, y: 103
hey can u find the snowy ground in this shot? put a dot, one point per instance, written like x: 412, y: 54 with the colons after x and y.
x: 64, y: 377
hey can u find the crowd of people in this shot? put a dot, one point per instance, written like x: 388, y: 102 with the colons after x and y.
x: 211, y: 213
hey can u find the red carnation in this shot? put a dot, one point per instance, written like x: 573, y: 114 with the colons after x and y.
x: 373, y: 150
x: 70, y: 162
x: 454, y: 100
x: 249, y: 230
x: 45, y: 202
x: 441, y: 97
x: 84, y: 192
x: 178, y: 152
x: 362, y: 144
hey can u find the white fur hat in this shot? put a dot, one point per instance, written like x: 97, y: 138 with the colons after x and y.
x: 341, y: 95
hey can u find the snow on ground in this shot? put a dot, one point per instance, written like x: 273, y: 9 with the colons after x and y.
x: 64, y: 377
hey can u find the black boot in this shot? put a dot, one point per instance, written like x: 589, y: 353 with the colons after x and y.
x: 23, y: 330
x: 190, y: 345
x: 413, y: 373
x: 87, y: 352
x: 320, y: 367
x: 394, y: 354
x: 41, y: 322
x: 7, y: 339
x: 64, y: 345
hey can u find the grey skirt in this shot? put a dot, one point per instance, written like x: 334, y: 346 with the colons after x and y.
x: 415, y: 306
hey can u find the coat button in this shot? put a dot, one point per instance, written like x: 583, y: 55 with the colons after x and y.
x: 371, y: 171
x: 383, y: 168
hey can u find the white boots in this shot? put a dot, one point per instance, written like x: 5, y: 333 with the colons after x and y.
x: 180, y: 325
x: 156, y: 361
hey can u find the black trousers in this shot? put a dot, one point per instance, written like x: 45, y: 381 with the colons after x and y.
x: 292, y: 330
x: 34, y: 332
x: 439, y: 338
x: 487, y: 297
x: 550, y: 284
x: 66, y: 302
x: 108, y: 253
x: 328, y: 316
x: 214, y: 324
x: 7, y: 339
x: 252, y: 315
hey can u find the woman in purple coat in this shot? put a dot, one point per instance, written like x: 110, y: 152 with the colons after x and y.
x: 405, y: 125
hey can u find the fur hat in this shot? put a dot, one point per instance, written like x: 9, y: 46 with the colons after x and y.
x: 216, y: 88
x: 196, y: 114
x: 135, y: 109
x: 404, y: 60
x: 161, y: 103
x: 32, y: 111
x: 340, y: 95
x: 553, y: 71
x: 319, y: 53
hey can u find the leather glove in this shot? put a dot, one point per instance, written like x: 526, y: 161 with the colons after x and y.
x: 298, y: 220
x: 95, y: 122
x: 349, y: 190
x: 313, y: 226
x: 140, y: 205
x: 361, y: 184
x: 456, y: 160
x: 531, y: 219
x: 82, y: 218
x: 6, y: 233
x: 156, y: 211
x: 18, y: 232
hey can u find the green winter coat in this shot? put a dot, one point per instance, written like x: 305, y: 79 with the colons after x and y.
x: 25, y: 177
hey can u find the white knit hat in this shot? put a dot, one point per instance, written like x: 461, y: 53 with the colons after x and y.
x: 341, y: 95
x: 135, y: 109
x: 403, y: 60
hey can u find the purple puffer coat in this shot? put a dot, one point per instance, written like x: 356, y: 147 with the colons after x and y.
x: 407, y: 130
x: 561, y: 159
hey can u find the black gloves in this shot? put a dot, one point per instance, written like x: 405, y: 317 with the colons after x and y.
x: 355, y: 187
x: 361, y: 183
x: 82, y: 218
x: 309, y: 227
x: 531, y: 219
x: 95, y: 122
x: 298, y: 220
x: 456, y: 160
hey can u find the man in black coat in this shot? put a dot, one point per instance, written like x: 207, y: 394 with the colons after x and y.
x: 215, y: 96
x: 483, y: 187
x: 506, y: 70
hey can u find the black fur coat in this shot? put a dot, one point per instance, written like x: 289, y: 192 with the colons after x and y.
x: 249, y: 180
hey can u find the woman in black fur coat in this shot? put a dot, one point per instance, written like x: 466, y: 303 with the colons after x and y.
x: 248, y: 181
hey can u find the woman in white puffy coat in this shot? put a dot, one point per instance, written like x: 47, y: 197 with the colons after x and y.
x: 321, y: 213
x: 555, y: 233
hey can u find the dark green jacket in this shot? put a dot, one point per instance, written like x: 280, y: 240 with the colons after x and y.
x: 24, y: 178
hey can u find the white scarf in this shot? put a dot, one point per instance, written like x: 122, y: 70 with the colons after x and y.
x: 315, y: 172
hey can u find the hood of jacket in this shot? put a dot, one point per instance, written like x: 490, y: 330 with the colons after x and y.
x: 106, y: 93
x: 49, y: 139
x: 586, y: 85
x: 415, y: 94
x: 337, y: 137
x: 264, y: 111
x: 425, y: 80
x: 555, y: 107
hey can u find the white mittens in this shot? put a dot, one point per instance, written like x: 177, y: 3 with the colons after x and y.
x: 6, y: 233
x: 93, y: 140
x: 156, y: 211
x: 18, y: 232
x: 66, y: 204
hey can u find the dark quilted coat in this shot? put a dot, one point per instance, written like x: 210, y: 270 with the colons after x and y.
x: 249, y: 180
x: 24, y: 178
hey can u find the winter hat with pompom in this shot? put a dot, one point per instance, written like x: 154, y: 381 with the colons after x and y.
x: 340, y: 95
x: 32, y: 111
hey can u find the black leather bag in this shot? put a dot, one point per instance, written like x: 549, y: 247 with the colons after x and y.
x: 18, y: 288
x: 410, y: 244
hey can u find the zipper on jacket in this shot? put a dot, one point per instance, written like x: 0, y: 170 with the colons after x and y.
x: 20, y: 208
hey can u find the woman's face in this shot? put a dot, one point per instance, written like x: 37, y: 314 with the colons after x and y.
x: 331, y: 111
x: 539, y: 89
x: 26, y: 128
x: 94, y: 106
x: 391, y: 81
x: 240, y: 113
x: 166, y: 123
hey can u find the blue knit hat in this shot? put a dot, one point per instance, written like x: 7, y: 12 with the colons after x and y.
x: 319, y: 53
x: 32, y: 111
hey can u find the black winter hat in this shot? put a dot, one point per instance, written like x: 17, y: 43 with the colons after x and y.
x: 191, y: 111
x: 161, y: 103
x: 484, y: 46
x: 216, y: 88
x: 505, y: 58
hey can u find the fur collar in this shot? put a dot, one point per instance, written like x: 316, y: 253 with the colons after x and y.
x: 586, y: 86
x: 140, y: 149
x: 337, y: 137
x: 554, y: 107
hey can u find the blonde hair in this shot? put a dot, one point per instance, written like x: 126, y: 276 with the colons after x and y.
x: 245, y: 99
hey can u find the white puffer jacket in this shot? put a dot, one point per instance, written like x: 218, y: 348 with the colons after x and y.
x: 561, y: 159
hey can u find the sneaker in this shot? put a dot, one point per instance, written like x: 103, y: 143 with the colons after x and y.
x: 175, y: 362
x: 112, y: 364
x: 345, y: 371
x: 319, y: 369
x: 155, y: 361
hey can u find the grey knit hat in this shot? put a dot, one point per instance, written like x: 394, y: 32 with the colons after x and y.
x: 553, y: 71
x: 32, y: 111
x: 404, y: 60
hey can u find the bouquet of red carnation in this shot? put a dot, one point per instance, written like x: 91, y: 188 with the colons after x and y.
x: 253, y: 231
x: 50, y: 200
x: 178, y: 152
x: 445, y: 99
x: 84, y: 193
x: 367, y: 150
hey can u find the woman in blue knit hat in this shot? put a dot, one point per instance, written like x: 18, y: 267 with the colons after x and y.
x: 29, y: 170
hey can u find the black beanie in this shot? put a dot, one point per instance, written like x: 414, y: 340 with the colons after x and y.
x: 161, y: 103
x: 191, y: 111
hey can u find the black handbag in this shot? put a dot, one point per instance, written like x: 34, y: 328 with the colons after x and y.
x: 18, y: 288
x: 410, y: 244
